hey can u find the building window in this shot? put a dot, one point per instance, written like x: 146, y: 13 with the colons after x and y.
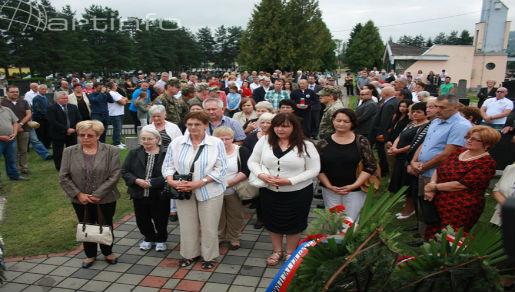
x: 490, y: 66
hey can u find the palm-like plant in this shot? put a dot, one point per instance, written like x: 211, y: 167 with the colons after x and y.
x: 447, y: 263
x: 366, y: 259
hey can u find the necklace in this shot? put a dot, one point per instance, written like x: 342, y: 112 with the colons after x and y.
x: 93, y: 151
x: 463, y: 154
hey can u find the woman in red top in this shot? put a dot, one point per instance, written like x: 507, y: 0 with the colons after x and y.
x: 245, y: 89
x: 458, y: 185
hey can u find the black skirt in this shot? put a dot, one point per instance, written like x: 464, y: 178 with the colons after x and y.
x: 286, y: 212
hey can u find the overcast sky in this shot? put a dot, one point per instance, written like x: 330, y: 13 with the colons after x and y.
x: 339, y: 15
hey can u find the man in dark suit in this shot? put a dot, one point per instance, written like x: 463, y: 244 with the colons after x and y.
x: 259, y: 93
x: 304, y: 99
x: 316, y: 108
x: 366, y: 112
x: 62, y: 118
x: 382, y: 122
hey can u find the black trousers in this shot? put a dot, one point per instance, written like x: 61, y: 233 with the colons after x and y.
x: 350, y: 90
x: 135, y: 120
x: 152, y: 218
x: 381, y: 153
x: 315, y: 122
x: 42, y: 132
x: 90, y: 248
x: 58, y: 146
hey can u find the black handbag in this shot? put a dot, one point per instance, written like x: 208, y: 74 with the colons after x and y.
x: 170, y: 192
x: 429, y: 212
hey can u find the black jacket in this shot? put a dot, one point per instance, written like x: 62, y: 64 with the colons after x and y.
x: 384, y: 119
x: 483, y: 94
x: 310, y: 98
x: 244, y: 155
x: 57, y: 120
x: 134, y: 167
x: 366, y: 113
x: 259, y: 94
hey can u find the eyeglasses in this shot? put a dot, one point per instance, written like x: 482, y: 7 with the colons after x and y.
x: 147, y: 139
x: 87, y: 136
x: 473, y: 139
x: 500, y: 91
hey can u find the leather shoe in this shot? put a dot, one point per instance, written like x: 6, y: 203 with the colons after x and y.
x: 49, y: 157
x: 112, y: 261
x: 258, y: 225
x: 20, y: 178
x: 88, y: 262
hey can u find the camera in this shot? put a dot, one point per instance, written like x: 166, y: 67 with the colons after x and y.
x: 177, y: 195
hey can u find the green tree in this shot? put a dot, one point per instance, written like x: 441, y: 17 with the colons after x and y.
x: 453, y: 38
x: 366, y: 49
x: 405, y: 40
x: 429, y: 43
x: 111, y: 48
x: 206, y: 44
x: 466, y: 38
x: 221, y: 49
x: 234, y: 34
x: 440, y: 39
x: 262, y: 43
x: 355, y: 30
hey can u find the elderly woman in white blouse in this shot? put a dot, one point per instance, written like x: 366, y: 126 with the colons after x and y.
x: 200, y: 214
x: 168, y: 131
x: 287, y: 164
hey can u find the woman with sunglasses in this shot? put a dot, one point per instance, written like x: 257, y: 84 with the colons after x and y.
x: 458, y: 185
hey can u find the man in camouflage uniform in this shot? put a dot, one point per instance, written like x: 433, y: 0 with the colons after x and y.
x: 330, y: 97
x: 176, y: 108
x: 202, y: 93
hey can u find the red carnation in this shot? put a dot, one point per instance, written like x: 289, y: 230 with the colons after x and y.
x: 337, y: 209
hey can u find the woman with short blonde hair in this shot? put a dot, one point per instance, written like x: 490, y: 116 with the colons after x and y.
x: 89, y: 176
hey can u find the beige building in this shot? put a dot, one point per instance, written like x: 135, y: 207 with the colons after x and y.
x: 485, y: 60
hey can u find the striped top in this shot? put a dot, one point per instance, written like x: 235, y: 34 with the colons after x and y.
x: 212, y: 162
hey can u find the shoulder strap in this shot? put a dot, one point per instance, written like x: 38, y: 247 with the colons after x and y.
x: 192, y: 169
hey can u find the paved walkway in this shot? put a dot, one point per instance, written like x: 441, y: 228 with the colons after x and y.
x: 240, y: 270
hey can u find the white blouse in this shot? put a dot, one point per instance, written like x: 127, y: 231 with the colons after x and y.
x: 299, y: 170
x: 212, y: 162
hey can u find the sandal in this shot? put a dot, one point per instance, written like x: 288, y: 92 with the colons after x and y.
x: 287, y: 256
x: 274, y: 258
x: 187, y: 262
x: 208, y: 265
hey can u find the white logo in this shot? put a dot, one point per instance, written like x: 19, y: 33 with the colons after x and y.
x: 22, y: 14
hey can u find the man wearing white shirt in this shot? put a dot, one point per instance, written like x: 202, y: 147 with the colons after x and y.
x: 29, y: 96
x: 162, y: 82
x: 255, y: 84
x: 116, y: 111
x: 495, y: 109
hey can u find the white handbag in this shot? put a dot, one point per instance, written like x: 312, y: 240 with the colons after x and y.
x: 254, y: 180
x: 97, y: 233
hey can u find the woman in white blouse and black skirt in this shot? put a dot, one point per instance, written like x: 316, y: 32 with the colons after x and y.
x: 287, y: 163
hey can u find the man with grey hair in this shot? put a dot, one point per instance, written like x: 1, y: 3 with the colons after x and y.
x: 29, y: 95
x: 444, y: 135
x: 62, y: 118
x: 162, y: 82
x: 495, y: 110
x: 214, y: 107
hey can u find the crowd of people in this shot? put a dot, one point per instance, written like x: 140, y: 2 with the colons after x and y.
x: 288, y: 134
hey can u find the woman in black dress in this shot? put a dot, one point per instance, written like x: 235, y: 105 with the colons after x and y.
x: 399, y: 150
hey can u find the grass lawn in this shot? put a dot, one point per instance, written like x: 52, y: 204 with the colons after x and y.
x: 38, y: 217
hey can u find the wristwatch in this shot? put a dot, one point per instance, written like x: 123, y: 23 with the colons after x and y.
x: 21, y: 124
x: 205, y: 181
